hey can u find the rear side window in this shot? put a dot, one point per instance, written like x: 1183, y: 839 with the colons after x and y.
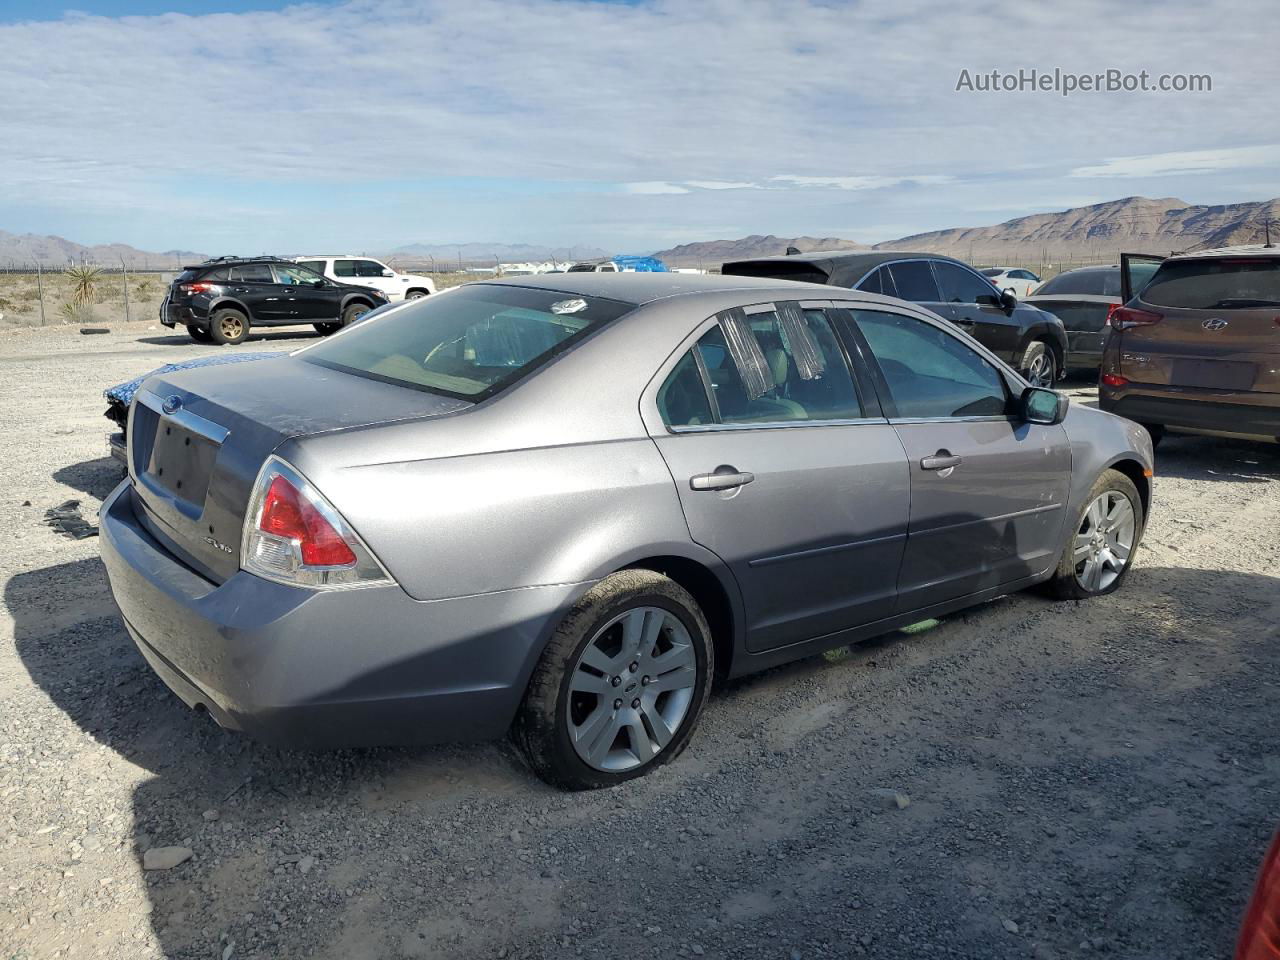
x: 345, y: 268
x: 219, y: 273
x: 778, y: 365
x: 914, y: 281
x: 1101, y: 283
x: 316, y: 265
x: 881, y: 281
x: 1235, y: 283
x: 253, y: 273
x: 682, y: 398
x: 930, y: 373
x: 470, y: 344
x: 960, y: 286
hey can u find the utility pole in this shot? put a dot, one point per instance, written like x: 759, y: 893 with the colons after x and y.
x: 125, y: 271
x: 40, y: 291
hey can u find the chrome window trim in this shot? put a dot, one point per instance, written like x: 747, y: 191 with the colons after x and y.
x: 775, y: 425
x: 1004, y: 418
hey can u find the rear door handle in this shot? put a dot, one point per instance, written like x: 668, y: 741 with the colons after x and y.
x: 940, y: 461
x: 724, y: 478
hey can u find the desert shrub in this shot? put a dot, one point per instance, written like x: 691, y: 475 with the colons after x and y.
x: 84, y: 281
x: 76, y: 313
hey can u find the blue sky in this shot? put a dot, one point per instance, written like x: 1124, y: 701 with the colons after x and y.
x: 235, y: 125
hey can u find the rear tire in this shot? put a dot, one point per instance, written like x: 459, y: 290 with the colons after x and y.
x: 327, y: 328
x: 1093, y: 543
x: 416, y: 294
x: 228, y: 326
x: 633, y: 617
x: 199, y: 334
x: 1038, y: 367
x: 353, y: 312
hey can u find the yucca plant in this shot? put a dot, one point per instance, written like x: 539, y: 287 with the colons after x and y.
x: 84, y: 283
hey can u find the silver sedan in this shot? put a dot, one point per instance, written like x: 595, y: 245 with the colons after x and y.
x: 560, y: 507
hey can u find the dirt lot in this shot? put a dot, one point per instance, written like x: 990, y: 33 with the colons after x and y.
x: 1084, y: 779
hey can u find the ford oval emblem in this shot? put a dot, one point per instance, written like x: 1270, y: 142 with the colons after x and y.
x: 172, y: 404
x: 1214, y: 323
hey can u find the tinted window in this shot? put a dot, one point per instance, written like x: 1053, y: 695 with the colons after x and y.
x: 879, y: 282
x: 369, y: 268
x: 931, y: 373
x: 220, y: 273
x: 1236, y: 283
x: 778, y: 269
x: 960, y: 285
x: 914, y: 281
x: 1025, y: 275
x: 252, y: 272
x: 473, y: 342
x: 804, y: 373
x: 344, y: 268
x: 1101, y: 283
x: 682, y: 398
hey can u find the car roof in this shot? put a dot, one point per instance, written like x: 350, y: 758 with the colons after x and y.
x: 336, y: 256
x: 1245, y: 250
x: 233, y: 261
x: 641, y: 288
x: 844, y: 268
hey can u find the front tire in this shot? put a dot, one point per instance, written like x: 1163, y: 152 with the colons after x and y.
x: 1098, y: 554
x: 416, y: 294
x: 199, y: 334
x: 620, y: 686
x: 228, y: 326
x: 353, y: 312
x: 1038, y: 367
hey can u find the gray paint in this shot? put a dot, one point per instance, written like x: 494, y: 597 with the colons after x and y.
x: 494, y: 517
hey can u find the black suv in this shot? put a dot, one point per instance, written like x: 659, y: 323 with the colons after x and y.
x: 218, y: 300
x: 1032, y: 340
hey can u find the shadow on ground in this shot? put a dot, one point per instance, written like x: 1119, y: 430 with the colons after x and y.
x: 403, y: 831
x: 255, y: 336
x: 94, y: 477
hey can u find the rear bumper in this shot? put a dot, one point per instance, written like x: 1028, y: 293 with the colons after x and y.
x: 1191, y: 409
x: 325, y: 669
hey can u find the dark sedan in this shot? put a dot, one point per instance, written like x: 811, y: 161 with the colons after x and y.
x: 1083, y: 300
x: 1030, y: 339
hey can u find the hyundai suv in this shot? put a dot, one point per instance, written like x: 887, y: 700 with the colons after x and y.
x: 219, y: 300
x: 1030, y: 339
x: 1197, y: 347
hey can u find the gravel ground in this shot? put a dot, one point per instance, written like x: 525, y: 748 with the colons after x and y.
x: 1075, y: 779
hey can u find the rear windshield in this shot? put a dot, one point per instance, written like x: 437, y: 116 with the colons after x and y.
x: 1235, y: 283
x: 1101, y: 283
x: 777, y: 270
x: 470, y: 343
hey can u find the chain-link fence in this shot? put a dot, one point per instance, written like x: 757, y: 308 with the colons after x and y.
x: 35, y: 294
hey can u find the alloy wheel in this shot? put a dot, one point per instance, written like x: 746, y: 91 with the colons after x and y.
x: 1104, y: 542
x: 231, y: 326
x: 630, y: 689
x: 1040, y: 370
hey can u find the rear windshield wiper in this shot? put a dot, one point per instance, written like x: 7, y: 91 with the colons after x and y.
x: 1243, y: 302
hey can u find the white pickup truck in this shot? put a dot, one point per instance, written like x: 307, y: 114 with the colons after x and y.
x: 367, y: 272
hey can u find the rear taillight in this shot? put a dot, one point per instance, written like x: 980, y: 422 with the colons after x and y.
x: 198, y: 287
x: 293, y: 535
x: 1111, y: 312
x: 1260, y: 932
x: 1114, y: 380
x: 1122, y: 318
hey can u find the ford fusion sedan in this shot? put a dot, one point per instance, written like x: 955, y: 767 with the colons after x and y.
x: 561, y: 506
x: 1030, y: 339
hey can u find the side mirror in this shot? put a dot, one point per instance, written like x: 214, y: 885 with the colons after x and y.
x: 388, y: 273
x: 317, y: 283
x: 1039, y: 405
x: 1008, y: 300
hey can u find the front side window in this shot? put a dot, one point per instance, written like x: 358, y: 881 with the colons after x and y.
x: 959, y: 285
x: 777, y: 365
x: 913, y: 279
x: 344, y: 268
x: 470, y: 344
x: 369, y: 268
x: 1231, y: 283
x: 295, y: 275
x: 930, y: 373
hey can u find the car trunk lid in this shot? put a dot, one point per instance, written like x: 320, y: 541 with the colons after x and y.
x: 197, y: 439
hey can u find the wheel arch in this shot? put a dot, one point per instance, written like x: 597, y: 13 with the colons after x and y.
x: 229, y: 303
x: 713, y: 596
x: 1134, y: 470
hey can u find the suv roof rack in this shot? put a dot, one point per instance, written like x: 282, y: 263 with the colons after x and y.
x: 235, y: 259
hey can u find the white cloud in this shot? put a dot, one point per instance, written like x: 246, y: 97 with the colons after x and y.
x: 654, y: 187
x: 862, y: 183
x: 720, y: 184
x: 1183, y: 162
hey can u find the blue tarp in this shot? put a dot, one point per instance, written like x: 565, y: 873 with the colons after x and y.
x: 640, y: 264
x: 123, y: 392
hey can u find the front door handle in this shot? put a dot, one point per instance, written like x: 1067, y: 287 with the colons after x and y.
x: 942, y: 460
x: 724, y: 478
